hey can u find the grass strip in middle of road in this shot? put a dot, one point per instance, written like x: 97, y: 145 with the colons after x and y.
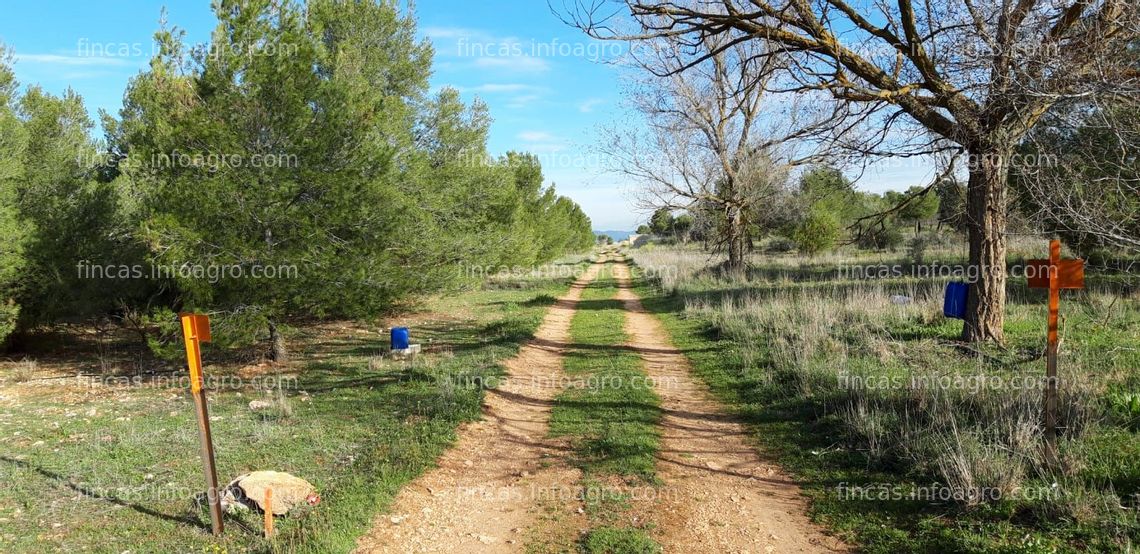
x: 610, y: 414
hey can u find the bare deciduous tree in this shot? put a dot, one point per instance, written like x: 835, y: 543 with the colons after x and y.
x: 978, y: 74
x: 715, y: 136
x: 1086, y: 183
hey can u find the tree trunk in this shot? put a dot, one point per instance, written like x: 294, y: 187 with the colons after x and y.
x: 985, y: 222
x: 277, y: 350
x: 736, y: 238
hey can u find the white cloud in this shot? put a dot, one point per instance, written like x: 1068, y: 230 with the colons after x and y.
x: 483, y: 50
x: 492, y: 88
x: 448, y: 32
x: 521, y: 64
x: 589, y: 105
x: 523, y: 101
x: 536, y: 136
x: 542, y: 143
x: 57, y: 59
x: 519, y: 95
x: 451, y: 42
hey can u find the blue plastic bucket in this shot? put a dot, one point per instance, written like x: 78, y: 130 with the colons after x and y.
x: 399, y: 338
x: 954, y: 304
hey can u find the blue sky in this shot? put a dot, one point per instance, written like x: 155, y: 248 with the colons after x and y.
x: 546, y: 84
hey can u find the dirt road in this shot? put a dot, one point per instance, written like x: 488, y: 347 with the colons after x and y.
x: 493, y: 485
x: 505, y: 481
x: 719, y: 494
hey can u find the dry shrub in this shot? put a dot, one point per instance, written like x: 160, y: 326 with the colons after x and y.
x: 876, y: 429
x: 25, y: 370
x: 976, y: 470
x: 282, y: 405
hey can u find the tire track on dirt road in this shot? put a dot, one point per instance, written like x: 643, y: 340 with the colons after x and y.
x: 719, y: 494
x: 488, y: 491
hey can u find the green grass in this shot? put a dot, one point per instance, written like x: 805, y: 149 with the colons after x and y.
x: 614, y: 540
x: 116, y: 468
x: 762, y: 357
x: 610, y: 413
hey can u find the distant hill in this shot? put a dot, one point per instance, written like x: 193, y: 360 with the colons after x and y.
x: 616, y: 235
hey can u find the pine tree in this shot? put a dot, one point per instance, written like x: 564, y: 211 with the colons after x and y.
x: 279, y: 150
x: 13, y: 143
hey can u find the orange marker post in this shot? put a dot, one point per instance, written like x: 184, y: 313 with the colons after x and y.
x: 196, y: 330
x: 1054, y: 274
x: 268, y: 512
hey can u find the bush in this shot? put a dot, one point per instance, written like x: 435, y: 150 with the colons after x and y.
x: 25, y: 370
x: 816, y: 233
x: 916, y: 248
x: 882, y: 238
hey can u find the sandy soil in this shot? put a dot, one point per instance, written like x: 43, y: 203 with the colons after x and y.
x: 719, y: 494
x: 498, y: 486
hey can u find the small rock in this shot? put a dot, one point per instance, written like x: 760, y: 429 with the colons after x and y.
x: 396, y: 520
x: 259, y: 405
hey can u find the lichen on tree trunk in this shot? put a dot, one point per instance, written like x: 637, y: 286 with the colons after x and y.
x: 986, y: 223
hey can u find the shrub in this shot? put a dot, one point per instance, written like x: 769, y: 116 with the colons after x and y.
x: 881, y: 238
x: 25, y: 370
x: 916, y: 248
x: 977, y: 471
x: 816, y: 233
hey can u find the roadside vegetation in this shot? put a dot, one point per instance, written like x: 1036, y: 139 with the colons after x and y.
x: 906, y: 439
x: 111, y: 457
x: 296, y: 167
